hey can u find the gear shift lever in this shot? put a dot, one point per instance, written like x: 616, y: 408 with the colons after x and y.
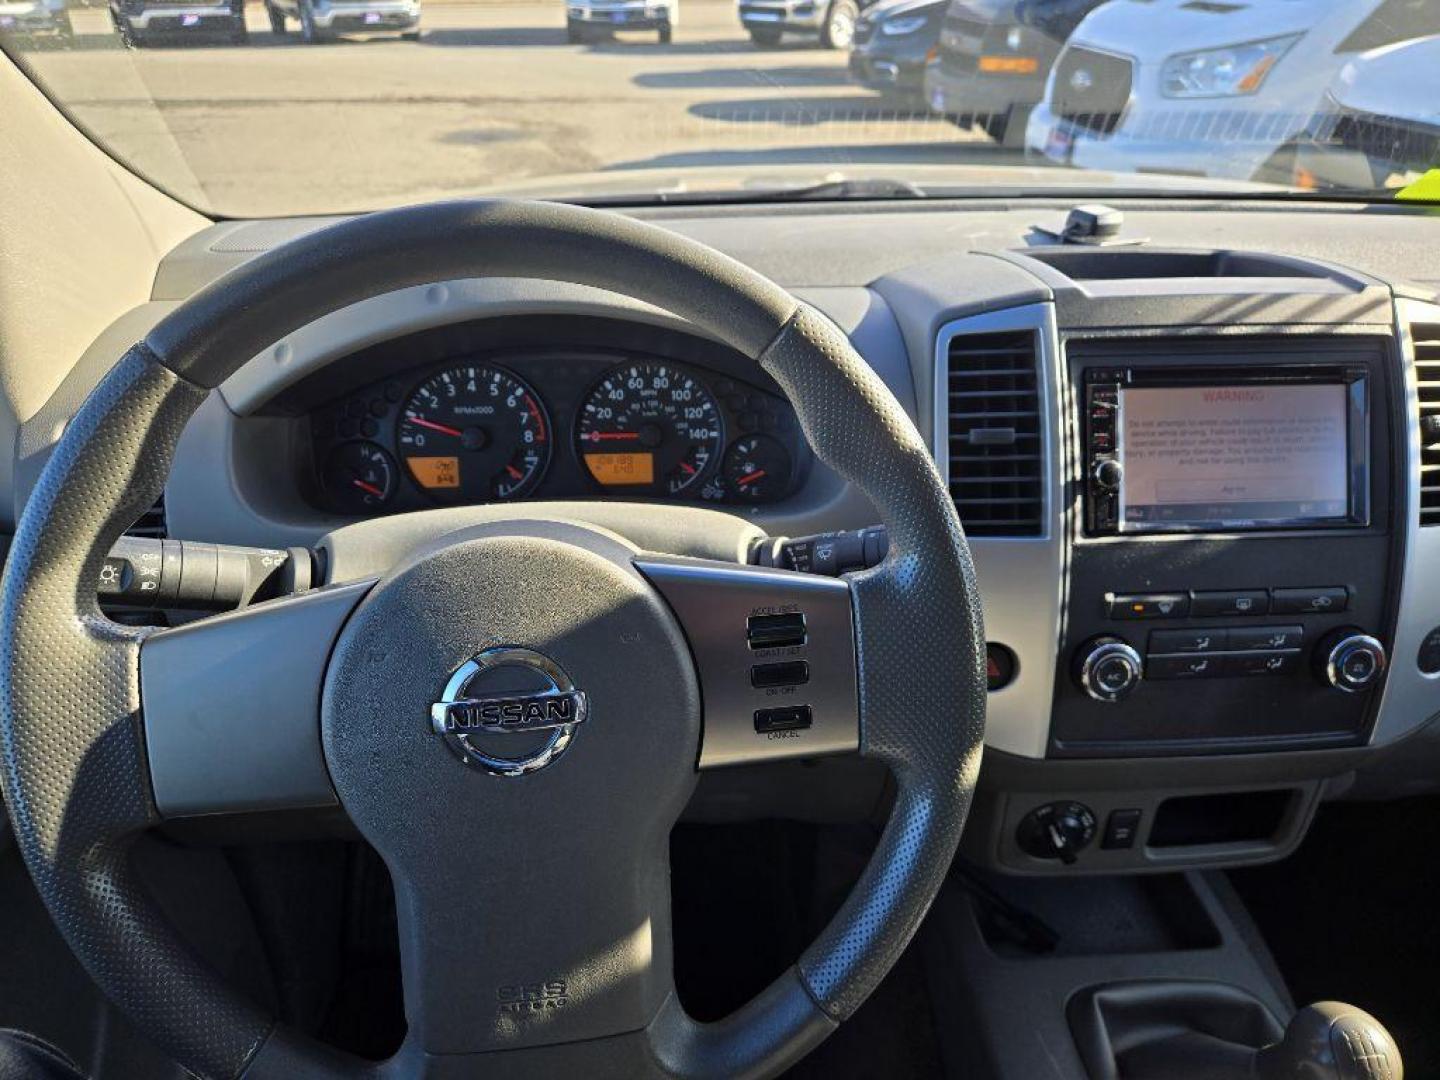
x: 1331, y: 1041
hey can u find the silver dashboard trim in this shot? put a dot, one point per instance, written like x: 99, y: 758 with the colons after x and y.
x: 1023, y: 609
x: 1411, y: 697
x: 713, y: 602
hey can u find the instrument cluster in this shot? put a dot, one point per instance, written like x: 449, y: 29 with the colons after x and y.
x: 554, y: 424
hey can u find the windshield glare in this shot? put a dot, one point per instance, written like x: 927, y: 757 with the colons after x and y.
x: 274, y: 107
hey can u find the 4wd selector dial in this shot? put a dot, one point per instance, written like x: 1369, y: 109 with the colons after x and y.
x: 1057, y: 830
x: 1108, y: 669
x: 1350, y: 661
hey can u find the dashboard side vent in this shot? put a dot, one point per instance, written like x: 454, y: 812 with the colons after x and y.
x: 1426, y: 337
x: 996, y: 456
x: 151, y: 523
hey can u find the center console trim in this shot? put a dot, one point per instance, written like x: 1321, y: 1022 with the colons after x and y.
x: 1023, y: 602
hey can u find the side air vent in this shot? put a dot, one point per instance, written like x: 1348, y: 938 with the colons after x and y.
x: 996, y: 465
x: 151, y: 523
x: 1427, y: 379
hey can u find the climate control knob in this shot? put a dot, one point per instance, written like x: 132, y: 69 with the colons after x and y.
x: 1108, y: 669
x: 1350, y: 661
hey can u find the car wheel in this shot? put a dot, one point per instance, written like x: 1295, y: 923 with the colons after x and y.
x: 839, y: 29
x: 666, y: 33
x: 309, y: 32
x: 1008, y: 128
x: 278, y: 26
x: 765, y: 37
x: 410, y: 35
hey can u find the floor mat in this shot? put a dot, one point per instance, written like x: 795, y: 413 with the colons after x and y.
x: 1351, y: 917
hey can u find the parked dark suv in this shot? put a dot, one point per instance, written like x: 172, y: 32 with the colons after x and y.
x: 893, y: 41
x: 994, y: 57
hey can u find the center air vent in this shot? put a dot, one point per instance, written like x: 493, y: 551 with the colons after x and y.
x: 996, y: 455
x: 1427, y: 379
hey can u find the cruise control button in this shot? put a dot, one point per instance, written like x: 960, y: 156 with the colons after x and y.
x: 1262, y: 663
x: 1188, y: 641
x: 1183, y: 667
x: 1231, y: 602
x: 784, y: 673
x: 775, y: 631
x: 1264, y: 638
x: 1316, y: 601
x: 1150, y: 606
x: 790, y: 718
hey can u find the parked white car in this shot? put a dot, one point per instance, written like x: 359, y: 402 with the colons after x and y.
x: 1207, y: 88
x: 1380, y: 124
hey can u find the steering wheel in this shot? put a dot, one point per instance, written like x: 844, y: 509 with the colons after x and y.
x: 532, y: 895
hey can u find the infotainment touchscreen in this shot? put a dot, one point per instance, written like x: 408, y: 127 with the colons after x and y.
x: 1249, y: 455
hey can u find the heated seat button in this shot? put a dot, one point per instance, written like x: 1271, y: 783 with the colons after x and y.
x: 1266, y: 638
x: 775, y: 631
x: 1316, y: 601
x: 1188, y: 641
x: 788, y: 673
x: 1231, y: 602
x: 1262, y: 663
x: 790, y: 718
x: 1120, y: 829
x: 1183, y: 667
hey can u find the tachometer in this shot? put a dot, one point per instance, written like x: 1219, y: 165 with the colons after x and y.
x: 474, y: 433
x: 649, y: 426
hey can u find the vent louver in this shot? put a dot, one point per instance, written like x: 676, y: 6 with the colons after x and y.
x: 1426, y: 337
x: 151, y: 523
x: 996, y: 456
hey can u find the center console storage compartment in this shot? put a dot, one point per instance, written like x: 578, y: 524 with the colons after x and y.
x: 1237, y: 817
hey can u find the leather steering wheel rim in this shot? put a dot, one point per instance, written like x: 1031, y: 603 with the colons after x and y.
x: 74, y: 768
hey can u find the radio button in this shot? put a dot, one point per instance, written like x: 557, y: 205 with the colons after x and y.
x: 1231, y: 602
x: 1263, y: 638
x: 1184, y: 667
x: 1189, y: 641
x: 1262, y: 663
x: 1150, y: 606
x: 1314, y: 601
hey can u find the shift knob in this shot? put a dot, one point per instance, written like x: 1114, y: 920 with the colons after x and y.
x: 1332, y: 1041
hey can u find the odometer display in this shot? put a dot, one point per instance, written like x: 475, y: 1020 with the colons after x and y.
x: 473, y: 434
x: 650, y: 412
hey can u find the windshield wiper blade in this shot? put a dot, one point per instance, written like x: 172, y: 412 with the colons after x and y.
x: 838, y: 189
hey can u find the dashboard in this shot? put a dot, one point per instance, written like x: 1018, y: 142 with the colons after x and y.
x: 1197, y: 477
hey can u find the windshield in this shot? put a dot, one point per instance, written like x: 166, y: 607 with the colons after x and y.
x: 274, y: 107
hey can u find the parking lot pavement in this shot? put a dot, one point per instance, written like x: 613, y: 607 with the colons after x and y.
x: 492, y: 94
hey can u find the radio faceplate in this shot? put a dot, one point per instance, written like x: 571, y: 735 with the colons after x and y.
x: 1225, y: 447
x: 1224, y: 618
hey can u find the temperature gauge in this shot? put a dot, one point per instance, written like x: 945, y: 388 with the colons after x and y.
x: 359, y: 477
x: 757, y: 468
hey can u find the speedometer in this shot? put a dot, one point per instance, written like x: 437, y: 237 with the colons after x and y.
x: 649, y: 426
x: 474, y: 433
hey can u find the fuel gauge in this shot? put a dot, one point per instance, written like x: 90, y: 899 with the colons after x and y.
x: 757, y: 468
x: 359, y: 477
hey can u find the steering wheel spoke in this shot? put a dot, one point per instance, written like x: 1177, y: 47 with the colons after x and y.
x: 231, y: 706
x: 775, y: 650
